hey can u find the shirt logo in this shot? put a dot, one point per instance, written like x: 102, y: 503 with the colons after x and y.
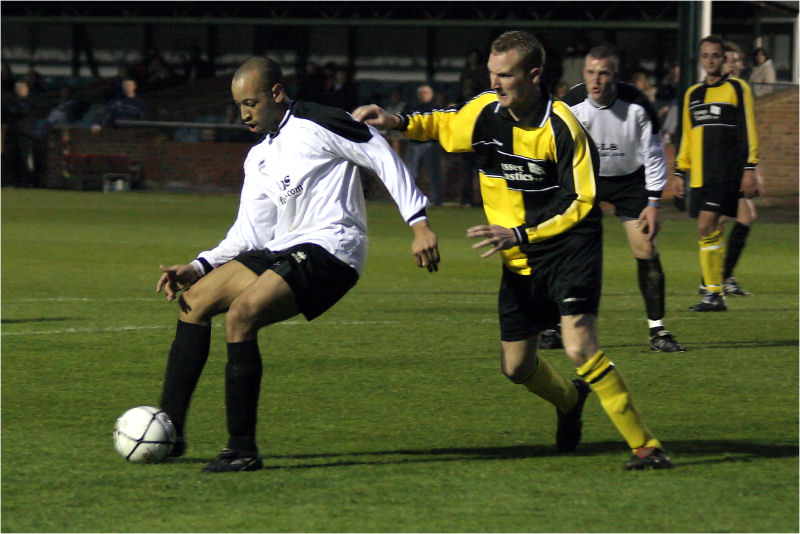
x: 285, y: 185
x: 535, y: 169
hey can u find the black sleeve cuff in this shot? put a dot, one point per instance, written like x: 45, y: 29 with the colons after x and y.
x: 421, y: 214
x: 207, y: 268
x: 653, y: 194
x: 522, y: 237
x: 404, y: 122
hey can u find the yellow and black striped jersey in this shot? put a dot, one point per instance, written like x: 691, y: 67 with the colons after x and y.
x: 537, y: 175
x: 718, y: 137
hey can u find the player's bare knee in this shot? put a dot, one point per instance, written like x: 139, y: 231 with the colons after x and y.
x: 193, y: 309
x: 242, y: 318
x: 576, y: 353
x: 518, y: 370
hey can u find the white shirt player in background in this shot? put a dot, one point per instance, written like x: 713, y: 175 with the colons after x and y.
x: 633, y: 171
x: 297, y: 245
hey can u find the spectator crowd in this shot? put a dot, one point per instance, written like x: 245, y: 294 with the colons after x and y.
x: 31, y: 106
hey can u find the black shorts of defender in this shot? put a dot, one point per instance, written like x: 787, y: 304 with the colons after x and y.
x: 565, y: 279
x: 722, y: 198
x: 318, y: 279
x: 626, y: 193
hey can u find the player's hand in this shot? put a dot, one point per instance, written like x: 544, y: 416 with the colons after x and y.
x: 749, y: 185
x: 677, y: 188
x: 761, y: 187
x: 648, y: 222
x: 425, y: 247
x: 176, y: 278
x: 497, y: 237
x: 375, y: 115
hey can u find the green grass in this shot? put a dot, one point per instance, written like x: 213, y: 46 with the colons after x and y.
x: 388, y: 413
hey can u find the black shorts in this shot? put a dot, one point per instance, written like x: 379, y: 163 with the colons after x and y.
x: 565, y: 280
x: 722, y: 198
x: 318, y: 279
x: 627, y: 194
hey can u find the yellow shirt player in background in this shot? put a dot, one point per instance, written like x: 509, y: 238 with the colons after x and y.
x: 538, y: 172
x: 719, y: 149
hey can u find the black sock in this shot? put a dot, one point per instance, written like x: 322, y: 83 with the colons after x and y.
x: 736, y: 242
x: 242, y: 387
x: 651, y: 284
x: 185, y: 363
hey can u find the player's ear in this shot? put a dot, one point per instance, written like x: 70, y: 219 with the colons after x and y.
x: 534, y: 74
x: 278, y: 93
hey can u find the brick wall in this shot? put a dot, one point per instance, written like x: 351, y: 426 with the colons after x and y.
x: 777, y: 123
x: 163, y: 164
x: 159, y: 162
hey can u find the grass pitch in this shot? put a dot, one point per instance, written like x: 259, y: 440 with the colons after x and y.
x: 388, y: 413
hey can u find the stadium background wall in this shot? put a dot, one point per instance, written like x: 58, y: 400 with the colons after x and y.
x: 166, y: 165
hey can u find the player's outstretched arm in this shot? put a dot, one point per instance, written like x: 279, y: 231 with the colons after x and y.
x: 176, y: 278
x: 425, y: 247
x: 376, y: 116
x: 498, y: 237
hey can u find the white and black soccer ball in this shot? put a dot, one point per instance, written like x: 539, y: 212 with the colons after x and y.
x: 144, y: 434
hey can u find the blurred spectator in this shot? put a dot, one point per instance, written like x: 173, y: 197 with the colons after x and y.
x: 311, y: 84
x: 763, y: 73
x: 426, y: 153
x: 734, y: 60
x: 328, y: 79
x: 231, y: 135
x: 23, y: 143
x: 666, y: 102
x: 35, y: 83
x: 396, y: 104
x: 574, y: 59
x: 129, y: 106
x: 152, y: 72
x: 561, y: 89
x: 7, y: 80
x: 196, y: 67
x: 476, y: 71
x: 68, y: 110
x: 469, y: 160
x: 343, y: 91
x: 639, y: 79
x: 114, y: 85
x: 159, y: 74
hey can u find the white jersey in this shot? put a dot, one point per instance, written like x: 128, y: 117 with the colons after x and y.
x: 626, y: 134
x: 302, y: 185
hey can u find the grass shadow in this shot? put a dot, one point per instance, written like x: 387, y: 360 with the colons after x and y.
x: 37, y: 320
x: 721, y: 451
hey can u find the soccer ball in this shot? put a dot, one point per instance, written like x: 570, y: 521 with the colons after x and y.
x: 144, y: 435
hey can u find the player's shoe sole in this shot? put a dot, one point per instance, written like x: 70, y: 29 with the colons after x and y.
x: 648, y: 458
x: 568, y: 434
x: 229, y: 461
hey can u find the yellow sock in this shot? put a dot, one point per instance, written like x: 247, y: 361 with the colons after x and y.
x: 617, y: 401
x: 552, y: 387
x: 712, y: 260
